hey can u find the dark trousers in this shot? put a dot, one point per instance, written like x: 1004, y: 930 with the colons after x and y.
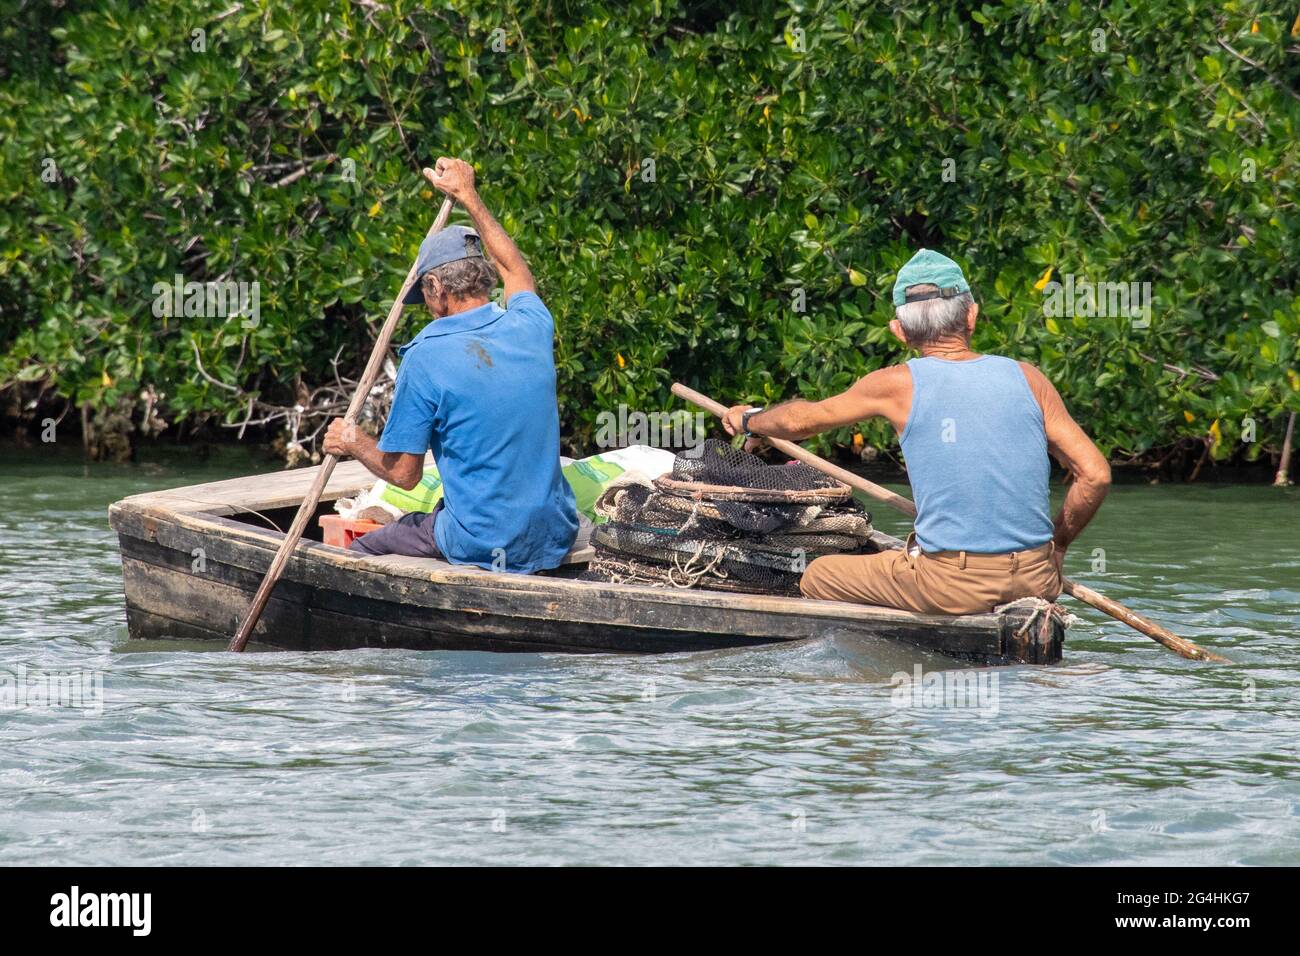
x: 411, y: 535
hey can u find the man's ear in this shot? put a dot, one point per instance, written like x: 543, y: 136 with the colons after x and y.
x: 431, y: 286
x: 897, y: 328
x: 972, y: 314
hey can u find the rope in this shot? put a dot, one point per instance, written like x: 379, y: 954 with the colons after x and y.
x: 1043, y: 611
x: 693, y: 576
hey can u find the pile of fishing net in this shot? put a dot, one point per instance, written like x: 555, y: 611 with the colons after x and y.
x: 723, y: 519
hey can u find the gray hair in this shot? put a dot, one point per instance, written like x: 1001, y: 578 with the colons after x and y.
x: 463, y: 279
x: 933, y: 319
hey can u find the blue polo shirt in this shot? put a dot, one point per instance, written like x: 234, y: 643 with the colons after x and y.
x: 478, y: 388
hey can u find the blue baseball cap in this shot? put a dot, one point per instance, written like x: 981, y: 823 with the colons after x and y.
x: 450, y: 245
x: 928, y: 267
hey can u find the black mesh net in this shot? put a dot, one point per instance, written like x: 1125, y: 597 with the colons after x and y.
x: 717, y: 463
x: 725, y: 520
x: 749, y: 493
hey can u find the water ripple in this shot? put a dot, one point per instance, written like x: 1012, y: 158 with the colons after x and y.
x: 778, y: 755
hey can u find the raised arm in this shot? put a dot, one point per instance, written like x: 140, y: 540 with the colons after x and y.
x: 455, y: 178
x: 1071, y: 446
x: 885, y: 393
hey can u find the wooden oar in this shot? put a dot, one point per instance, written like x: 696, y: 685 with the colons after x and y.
x: 308, y: 506
x: 1087, y: 595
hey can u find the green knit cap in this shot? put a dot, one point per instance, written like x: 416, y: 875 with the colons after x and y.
x: 928, y: 267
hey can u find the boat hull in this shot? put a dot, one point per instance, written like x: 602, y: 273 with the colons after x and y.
x: 190, y: 569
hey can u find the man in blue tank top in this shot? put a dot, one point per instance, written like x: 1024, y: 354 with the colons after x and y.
x: 976, y: 431
x: 477, y: 386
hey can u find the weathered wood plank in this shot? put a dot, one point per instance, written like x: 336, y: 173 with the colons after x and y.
x: 308, y: 619
x: 278, y: 489
x: 205, y: 602
x: 338, y: 633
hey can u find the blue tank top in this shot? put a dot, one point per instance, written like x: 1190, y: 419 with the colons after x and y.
x: 976, y: 453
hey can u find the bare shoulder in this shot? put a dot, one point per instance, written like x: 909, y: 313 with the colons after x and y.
x: 1039, y: 383
x: 1055, y: 415
x: 1032, y: 372
x: 887, y: 392
x: 887, y: 382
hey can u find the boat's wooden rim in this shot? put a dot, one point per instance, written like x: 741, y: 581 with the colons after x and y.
x: 208, y: 507
x: 279, y: 489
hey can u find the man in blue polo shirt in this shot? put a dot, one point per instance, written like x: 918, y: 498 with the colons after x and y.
x: 477, y: 386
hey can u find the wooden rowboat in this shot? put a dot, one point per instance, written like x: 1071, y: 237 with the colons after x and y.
x: 193, y: 557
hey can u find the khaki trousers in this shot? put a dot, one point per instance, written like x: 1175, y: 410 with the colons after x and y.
x: 944, y: 582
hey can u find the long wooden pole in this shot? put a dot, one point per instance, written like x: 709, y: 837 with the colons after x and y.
x: 308, y: 506
x: 1087, y: 595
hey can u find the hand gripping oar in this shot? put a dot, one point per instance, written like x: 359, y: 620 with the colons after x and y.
x: 308, y: 506
x: 1087, y: 595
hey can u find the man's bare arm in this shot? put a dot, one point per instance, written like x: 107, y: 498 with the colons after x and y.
x: 395, y: 467
x: 1072, y: 447
x: 885, y: 393
x: 456, y: 178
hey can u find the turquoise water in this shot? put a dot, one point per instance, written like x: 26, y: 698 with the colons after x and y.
x: 791, y: 754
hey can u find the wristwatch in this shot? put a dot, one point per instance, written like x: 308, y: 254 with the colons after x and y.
x: 744, y: 420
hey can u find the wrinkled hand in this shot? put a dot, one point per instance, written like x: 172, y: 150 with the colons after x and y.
x: 339, y: 438
x: 731, y: 421
x: 454, y: 177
